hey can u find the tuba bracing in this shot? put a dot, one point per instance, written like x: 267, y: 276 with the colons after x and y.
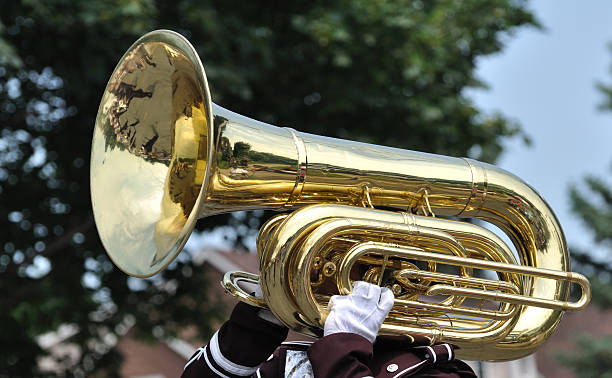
x: 163, y: 155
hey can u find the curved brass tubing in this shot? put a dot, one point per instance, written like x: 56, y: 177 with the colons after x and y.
x: 286, y: 263
x: 230, y: 283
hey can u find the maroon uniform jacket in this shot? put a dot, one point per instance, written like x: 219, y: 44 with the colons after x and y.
x: 249, y: 346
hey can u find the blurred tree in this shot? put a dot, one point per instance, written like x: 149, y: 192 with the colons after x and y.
x: 389, y: 72
x: 593, y: 204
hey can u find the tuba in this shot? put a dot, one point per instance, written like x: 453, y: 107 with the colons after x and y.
x: 163, y: 155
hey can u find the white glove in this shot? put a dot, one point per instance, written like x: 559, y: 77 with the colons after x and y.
x: 361, y: 312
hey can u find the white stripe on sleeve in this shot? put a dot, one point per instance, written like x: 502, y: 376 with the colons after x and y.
x: 226, y: 364
x: 450, y: 351
x: 212, y: 367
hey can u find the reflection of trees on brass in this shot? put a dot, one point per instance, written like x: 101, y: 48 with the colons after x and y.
x: 241, y: 154
x: 525, y: 210
x: 181, y: 188
x: 127, y: 120
x: 225, y: 149
x: 176, y: 206
x: 125, y: 129
x: 268, y: 158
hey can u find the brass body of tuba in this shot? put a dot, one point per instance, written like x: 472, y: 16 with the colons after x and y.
x: 163, y: 155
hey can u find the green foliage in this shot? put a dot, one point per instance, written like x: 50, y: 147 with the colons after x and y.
x: 593, y: 359
x: 593, y: 204
x: 8, y: 55
x: 595, y: 207
x: 606, y: 90
x: 388, y: 72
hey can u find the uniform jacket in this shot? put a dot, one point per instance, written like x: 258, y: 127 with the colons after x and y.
x: 249, y: 346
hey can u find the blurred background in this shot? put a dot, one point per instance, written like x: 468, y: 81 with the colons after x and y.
x: 524, y: 84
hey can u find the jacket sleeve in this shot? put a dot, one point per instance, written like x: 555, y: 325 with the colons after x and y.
x: 341, y: 355
x: 238, y: 347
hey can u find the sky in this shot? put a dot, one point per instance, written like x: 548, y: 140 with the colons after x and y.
x: 546, y: 80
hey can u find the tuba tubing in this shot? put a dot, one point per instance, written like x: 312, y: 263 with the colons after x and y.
x: 278, y: 262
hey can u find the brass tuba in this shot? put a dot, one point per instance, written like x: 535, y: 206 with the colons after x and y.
x: 163, y: 155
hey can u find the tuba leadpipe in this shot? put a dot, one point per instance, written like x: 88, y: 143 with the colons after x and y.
x: 163, y: 156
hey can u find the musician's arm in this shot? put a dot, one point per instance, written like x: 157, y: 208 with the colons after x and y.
x: 238, y: 347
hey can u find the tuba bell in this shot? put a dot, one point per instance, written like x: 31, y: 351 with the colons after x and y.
x: 163, y: 156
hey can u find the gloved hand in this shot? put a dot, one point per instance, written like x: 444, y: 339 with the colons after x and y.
x: 362, y: 311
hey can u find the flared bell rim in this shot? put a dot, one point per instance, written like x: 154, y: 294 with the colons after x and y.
x: 131, y: 262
